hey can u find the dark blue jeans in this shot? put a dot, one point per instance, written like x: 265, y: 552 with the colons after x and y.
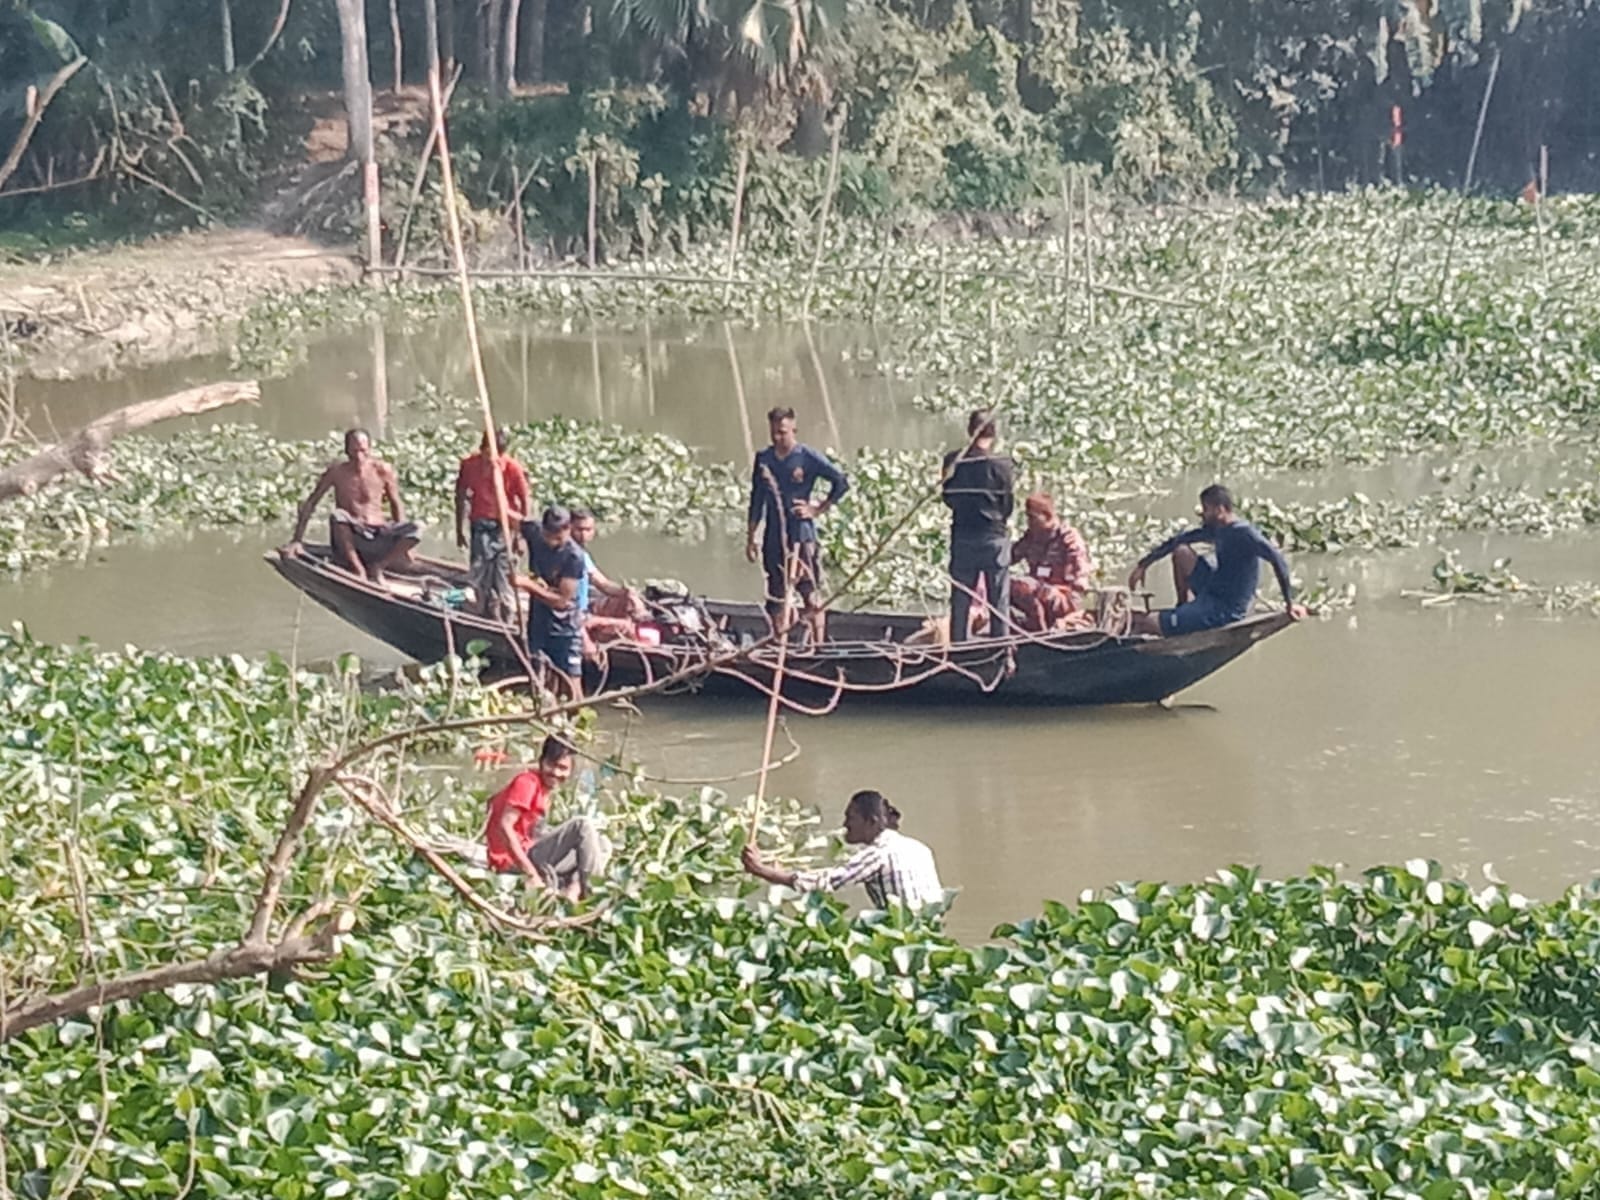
x: 978, y: 566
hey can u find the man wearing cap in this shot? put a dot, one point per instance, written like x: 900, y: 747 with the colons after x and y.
x: 555, y: 623
x: 1057, y: 568
x: 478, y: 500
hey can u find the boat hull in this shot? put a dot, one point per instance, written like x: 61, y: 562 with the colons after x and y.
x: 865, y: 660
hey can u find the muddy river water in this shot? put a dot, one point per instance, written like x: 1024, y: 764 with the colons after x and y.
x: 1469, y: 735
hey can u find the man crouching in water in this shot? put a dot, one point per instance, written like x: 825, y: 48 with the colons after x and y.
x: 362, y: 541
x: 562, y: 859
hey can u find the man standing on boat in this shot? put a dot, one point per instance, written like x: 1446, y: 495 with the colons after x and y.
x: 980, y: 491
x: 1058, y: 568
x: 781, y: 485
x: 555, y: 623
x: 478, y: 500
x: 1213, y: 591
x: 363, y: 542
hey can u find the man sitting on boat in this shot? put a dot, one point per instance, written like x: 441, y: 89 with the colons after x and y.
x: 562, y: 859
x: 611, y: 611
x: 479, y: 500
x: 1213, y: 591
x: 784, y: 516
x: 363, y: 542
x: 1057, y: 570
x: 890, y: 865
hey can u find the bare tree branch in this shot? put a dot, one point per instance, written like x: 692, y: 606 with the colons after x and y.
x: 36, y: 114
x: 236, y: 962
x: 84, y: 450
x: 283, y: 854
x: 272, y: 38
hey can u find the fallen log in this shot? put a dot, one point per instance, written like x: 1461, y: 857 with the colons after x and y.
x: 84, y: 451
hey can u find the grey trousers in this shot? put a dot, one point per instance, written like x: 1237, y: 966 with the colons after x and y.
x: 574, y: 849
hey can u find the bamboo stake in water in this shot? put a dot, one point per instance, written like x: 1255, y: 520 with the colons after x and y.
x: 822, y: 386
x: 649, y: 369
x: 941, y: 283
x: 822, y: 220
x: 738, y: 392
x: 1538, y: 210
x: 738, y: 215
x: 883, y: 270
x: 1088, y: 252
x: 1064, y: 282
x: 594, y: 199
x: 772, y: 725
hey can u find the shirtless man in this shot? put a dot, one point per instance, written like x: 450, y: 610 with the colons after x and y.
x: 362, y: 541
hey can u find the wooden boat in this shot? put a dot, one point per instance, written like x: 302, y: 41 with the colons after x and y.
x: 867, y: 655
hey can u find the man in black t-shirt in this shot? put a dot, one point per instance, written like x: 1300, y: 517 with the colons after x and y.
x: 555, y: 629
x: 980, y: 492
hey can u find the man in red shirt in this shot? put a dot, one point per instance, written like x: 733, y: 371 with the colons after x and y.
x: 1058, y: 565
x: 563, y: 858
x: 478, y: 501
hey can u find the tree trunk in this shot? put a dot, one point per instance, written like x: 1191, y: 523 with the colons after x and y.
x: 532, y: 52
x: 491, y: 19
x: 227, y: 38
x: 399, y: 50
x: 358, y: 112
x: 509, y: 43
x: 447, y: 38
x: 430, y: 24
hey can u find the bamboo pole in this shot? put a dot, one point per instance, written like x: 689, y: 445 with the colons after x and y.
x: 594, y: 196
x: 738, y: 215
x: 822, y: 219
x: 649, y: 369
x: 1088, y: 251
x: 883, y: 268
x: 822, y: 385
x: 738, y: 392
x: 1538, y: 210
x: 1063, y: 285
x: 470, y: 318
x: 772, y: 724
x: 594, y: 373
x: 941, y: 284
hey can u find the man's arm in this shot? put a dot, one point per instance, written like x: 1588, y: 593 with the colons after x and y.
x: 508, y: 830
x: 1280, y: 565
x: 761, y: 485
x: 391, y: 493
x: 1008, y: 476
x: 838, y: 482
x: 303, y: 517
x: 561, y: 597
x: 461, y: 507
x: 519, y: 495
x: 753, y: 865
x: 604, y: 584
x: 1201, y: 534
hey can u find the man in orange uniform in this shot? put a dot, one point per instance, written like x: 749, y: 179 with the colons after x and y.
x: 1058, y: 565
x: 562, y: 859
x: 478, y: 501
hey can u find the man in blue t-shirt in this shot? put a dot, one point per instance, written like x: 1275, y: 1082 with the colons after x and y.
x: 1213, y: 591
x: 781, y: 485
x: 555, y: 622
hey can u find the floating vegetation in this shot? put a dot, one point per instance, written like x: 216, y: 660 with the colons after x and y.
x: 1398, y: 1033
x: 1452, y: 581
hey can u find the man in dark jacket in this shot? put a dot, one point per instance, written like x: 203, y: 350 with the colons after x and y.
x: 980, y: 491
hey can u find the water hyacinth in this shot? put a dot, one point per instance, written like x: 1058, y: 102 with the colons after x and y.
x: 1397, y: 1033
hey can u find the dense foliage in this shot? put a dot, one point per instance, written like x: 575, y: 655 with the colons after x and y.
x: 1393, y: 1035
x: 960, y: 105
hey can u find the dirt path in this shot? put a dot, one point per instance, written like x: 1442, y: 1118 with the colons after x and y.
x: 98, y: 310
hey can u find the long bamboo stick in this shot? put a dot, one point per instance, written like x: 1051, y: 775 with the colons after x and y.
x: 738, y: 215
x: 470, y: 318
x: 822, y: 220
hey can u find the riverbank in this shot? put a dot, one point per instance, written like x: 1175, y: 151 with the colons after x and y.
x: 89, y: 312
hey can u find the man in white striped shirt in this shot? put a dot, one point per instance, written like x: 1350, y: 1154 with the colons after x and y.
x: 889, y: 864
